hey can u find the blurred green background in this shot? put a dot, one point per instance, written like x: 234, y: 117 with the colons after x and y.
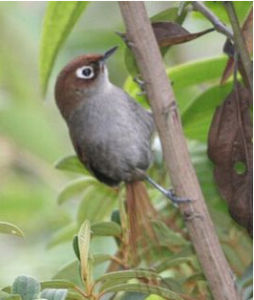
x: 33, y: 136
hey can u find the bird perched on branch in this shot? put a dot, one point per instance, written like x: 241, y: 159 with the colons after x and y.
x: 110, y: 131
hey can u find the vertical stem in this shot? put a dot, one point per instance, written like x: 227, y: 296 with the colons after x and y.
x: 240, y: 42
x: 183, y: 177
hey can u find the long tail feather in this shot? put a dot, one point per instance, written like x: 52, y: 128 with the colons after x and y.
x: 140, y: 212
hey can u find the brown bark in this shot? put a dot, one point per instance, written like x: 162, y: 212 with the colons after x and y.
x: 177, y: 160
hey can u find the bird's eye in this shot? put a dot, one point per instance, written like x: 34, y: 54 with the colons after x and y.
x: 85, y: 72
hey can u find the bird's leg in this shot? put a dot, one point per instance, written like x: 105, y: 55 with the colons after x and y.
x: 168, y: 193
x: 123, y: 36
x: 141, y: 85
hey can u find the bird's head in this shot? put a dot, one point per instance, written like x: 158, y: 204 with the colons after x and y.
x: 82, y: 77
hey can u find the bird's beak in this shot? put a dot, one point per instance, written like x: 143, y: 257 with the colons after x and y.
x: 108, y: 53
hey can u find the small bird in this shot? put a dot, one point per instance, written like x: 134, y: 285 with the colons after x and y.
x: 110, y: 131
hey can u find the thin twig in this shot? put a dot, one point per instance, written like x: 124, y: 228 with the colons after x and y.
x: 177, y: 159
x: 240, y: 42
x: 218, y: 25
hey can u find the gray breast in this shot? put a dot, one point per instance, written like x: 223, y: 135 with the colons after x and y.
x: 113, y: 132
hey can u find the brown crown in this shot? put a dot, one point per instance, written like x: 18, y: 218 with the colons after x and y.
x: 68, y: 85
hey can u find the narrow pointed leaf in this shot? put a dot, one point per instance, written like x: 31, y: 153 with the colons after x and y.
x: 57, y: 284
x: 3, y: 294
x: 133, y: 296
x: 60, y: 17
x: 103, y: 201
x: 71, y: 163
x: 170, y: 33
x: 76, y: 247
x: 106, y: 229
x: 9, y: 228
x: 186, y: 76
x: 170, y: 263
x: 10, y: 296
x: 74, y: 296
x: 154, y: 297
x: 166, y: 236
x: 198, y: 117
x: 100, y: 258
x: 129, y: 274
x: 170, y: 14
x: 63, y: 235
x: 84, y: 244
x: 75, y: 187
x: 71, y: 272
x: 144, y: 288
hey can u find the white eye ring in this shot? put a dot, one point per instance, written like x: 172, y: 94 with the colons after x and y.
x: 85, y: 72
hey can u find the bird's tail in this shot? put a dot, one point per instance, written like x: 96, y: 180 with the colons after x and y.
x: 140, y: 213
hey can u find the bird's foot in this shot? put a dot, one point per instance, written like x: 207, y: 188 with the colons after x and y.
x: 123, y: 36
x: 175, y: 199
x: 167, y: 193
x: 141, y: 85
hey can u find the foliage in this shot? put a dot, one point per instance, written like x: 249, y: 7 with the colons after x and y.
x: 172, y: 272
x: 59, y: 20
x: 28, y: 288
x: 8, y: 228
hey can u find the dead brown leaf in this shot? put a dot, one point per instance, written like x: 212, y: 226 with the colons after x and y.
x: 230, y: 148
x: 170, y: 33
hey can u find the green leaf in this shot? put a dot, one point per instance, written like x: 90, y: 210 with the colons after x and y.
x: 197, y: 72
x: 184, y: 76
x: 171, y: 262
x: 154, y: 297
x: 166, y: 236
x: 9, y: 228
x: 106, y: 229
x: 63, y: 284
x: 5, y: 296
x: 130, y: 62
x: 170, y: 14
x: 71, y: 272
x: 6, y: 289
x: 98, y: 202
x: 71, y: 163
x: 27, y: 287
x: 143, y: 288
x: 194, y: 277
x: 204, y: 170
x: 54, y: 294
x: 75, y: 247
x: 111, y: 279
x: 133, y: 296
x: 84, y: 236
x: 63, y: 235
x: 247, y: 277
x: 74, y: 296
x: 76, y: 187
x: 173, y: 284
x: 241, y: 7
x: 197, y: 118
x: 59, y: 19
x: 100, y: 258
x: 58, y: 284
x: 129, y: 274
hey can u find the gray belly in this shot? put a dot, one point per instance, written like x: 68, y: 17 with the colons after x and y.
x: 113, y: 139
